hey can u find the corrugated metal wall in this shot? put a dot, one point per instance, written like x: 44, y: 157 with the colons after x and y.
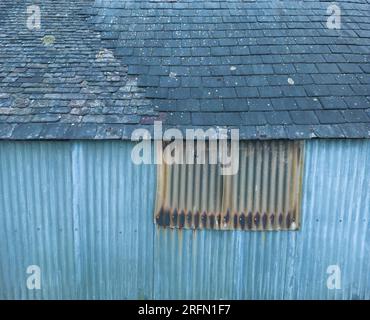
x: 84, y: 213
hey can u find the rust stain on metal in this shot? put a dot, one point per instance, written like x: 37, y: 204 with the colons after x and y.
x: 264, y: 195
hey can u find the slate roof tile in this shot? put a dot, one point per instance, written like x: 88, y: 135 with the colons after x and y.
x: 304, y: 117
x: 279, y: 118
x: 254, y: 118
x: 327, y: 116
x: 333, y: 102
x: 355, y: 115
x: 328, y: 131
x: 300, y: 132
x: 271, y: 132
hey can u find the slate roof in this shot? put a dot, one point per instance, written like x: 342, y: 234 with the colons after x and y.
x: 99, y: 69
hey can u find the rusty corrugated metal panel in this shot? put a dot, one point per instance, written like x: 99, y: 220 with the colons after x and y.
x: 263, y: 195
x: 335, y: 230
x: 76, y: 210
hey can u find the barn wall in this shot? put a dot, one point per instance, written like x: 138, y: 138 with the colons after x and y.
x: 84, y: 213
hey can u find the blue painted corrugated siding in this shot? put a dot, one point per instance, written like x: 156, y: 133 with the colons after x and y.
x: 84, y: 213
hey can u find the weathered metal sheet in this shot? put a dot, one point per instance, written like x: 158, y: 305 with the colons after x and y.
x: 264, y: 194
x: 36, y: 224
x: 213, y: 264
x: 82, y: 212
